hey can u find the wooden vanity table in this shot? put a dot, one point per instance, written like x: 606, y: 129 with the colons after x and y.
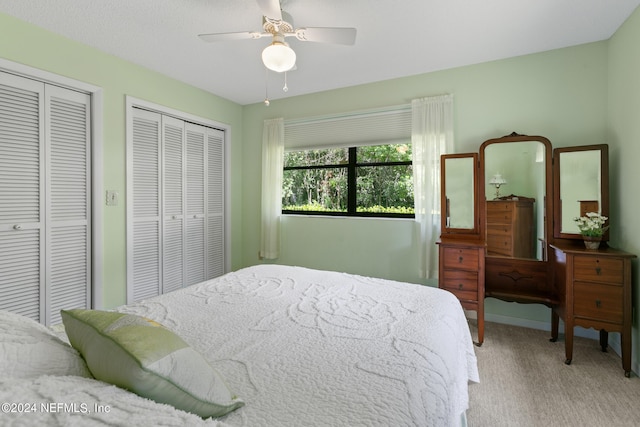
x: 481, y: 248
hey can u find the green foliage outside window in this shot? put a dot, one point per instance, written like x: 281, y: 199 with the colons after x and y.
x: 318, y: 180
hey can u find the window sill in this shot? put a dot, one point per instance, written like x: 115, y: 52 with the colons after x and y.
x: 348, y: 217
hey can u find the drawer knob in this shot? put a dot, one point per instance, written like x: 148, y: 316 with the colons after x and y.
x: 598, y: 303
x: 459, y: 285
x: 598, y: 270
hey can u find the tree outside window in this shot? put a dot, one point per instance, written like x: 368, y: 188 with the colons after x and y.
x: 372, y: 180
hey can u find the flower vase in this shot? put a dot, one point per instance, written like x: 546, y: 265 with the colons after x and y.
x: 592, y: 243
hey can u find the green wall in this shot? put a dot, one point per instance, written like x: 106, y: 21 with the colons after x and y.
x: 623, y: 135
x: 37, y: 48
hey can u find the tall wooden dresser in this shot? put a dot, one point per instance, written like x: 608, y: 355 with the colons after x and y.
x: 510, y: 227
x: 594, y: 289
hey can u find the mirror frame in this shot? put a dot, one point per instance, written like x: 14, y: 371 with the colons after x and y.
x: 466, y: 232
x: 547, y: 202
x: 604, y: 188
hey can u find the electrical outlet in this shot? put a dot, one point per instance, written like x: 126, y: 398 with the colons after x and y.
x: 112, y: 198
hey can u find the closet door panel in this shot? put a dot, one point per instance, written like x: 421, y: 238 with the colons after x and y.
x: 215, y: 203
x: 195, y: 206
x: 143, y: 216
x: 173, y: 189
x: 21, y: 193
x: 68, y: 201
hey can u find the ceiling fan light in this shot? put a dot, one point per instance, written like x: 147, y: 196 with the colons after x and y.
x: 279, y: 57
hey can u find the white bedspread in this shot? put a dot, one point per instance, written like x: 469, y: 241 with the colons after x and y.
x: 314, y: 348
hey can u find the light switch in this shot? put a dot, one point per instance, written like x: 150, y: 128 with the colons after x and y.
x: 112, y: 198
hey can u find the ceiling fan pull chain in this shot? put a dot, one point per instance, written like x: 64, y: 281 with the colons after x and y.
x: 285, y: 88
x: 266, y: 86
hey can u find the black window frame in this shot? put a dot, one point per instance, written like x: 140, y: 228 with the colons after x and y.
x: 352, y: 165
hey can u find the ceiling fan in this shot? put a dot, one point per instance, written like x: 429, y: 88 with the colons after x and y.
x: 278, y: 56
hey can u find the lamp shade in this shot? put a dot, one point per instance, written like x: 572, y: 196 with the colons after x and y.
x: 279, y: 57
x: 497, y: 180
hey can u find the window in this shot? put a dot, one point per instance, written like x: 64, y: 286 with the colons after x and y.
x: 368, y: 180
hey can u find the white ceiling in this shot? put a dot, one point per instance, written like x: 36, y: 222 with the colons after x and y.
x: 395, y: 38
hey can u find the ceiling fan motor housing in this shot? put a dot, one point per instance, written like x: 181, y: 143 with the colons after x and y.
x: 275, y: 26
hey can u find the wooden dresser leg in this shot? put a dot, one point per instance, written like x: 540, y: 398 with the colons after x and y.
x: 555, y: 321
x: 604, y: 340
x: 480, y: 325
x: 625, y: 338
x: 568, y: 343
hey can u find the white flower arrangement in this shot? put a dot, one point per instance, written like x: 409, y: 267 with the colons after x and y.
x: 592, y: 225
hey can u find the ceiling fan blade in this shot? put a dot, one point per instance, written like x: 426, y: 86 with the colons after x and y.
x: 223, y: 37
x: 271, y: 9
x: 327, y: 35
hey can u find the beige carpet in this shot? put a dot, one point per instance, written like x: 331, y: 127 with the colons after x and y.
x: 524, y: 382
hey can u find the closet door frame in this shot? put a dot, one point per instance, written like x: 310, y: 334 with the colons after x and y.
x: 97, y: 179
x: 131, y: 103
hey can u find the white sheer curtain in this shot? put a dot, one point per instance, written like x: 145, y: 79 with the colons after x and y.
x: 272, y: 164
x: 431, y: 136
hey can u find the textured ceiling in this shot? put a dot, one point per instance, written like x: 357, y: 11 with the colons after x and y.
x: 395, y: 38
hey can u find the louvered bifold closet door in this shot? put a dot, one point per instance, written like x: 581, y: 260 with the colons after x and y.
x: 21, y: 196
x: 173, y: 189
x: 195, y: 203
x: 68, y: 201
x: 215, y: 203
x: 144, y: 207
x: 175, y: 208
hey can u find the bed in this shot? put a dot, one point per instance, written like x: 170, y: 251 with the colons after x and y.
x: 295, y: 346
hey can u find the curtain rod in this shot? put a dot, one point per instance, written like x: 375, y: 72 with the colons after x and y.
x: 348, y: 115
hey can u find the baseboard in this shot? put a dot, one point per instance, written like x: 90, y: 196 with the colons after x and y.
x: 614, y: 337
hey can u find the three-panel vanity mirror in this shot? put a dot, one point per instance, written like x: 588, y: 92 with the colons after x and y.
x: 516, y: 196
x: 520, y: 168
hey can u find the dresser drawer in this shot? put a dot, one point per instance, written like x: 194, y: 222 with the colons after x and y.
x: 598, y: 269
x: 499, y: 215
x: 499, y: 230
x: 463, y: 284
x: 499, y: 245
x: 596, y: 301
x: 461, y: 258
x: 497, y: 206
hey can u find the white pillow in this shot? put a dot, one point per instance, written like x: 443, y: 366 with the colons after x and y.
x: 144, y: 357
x: 29, y: 350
